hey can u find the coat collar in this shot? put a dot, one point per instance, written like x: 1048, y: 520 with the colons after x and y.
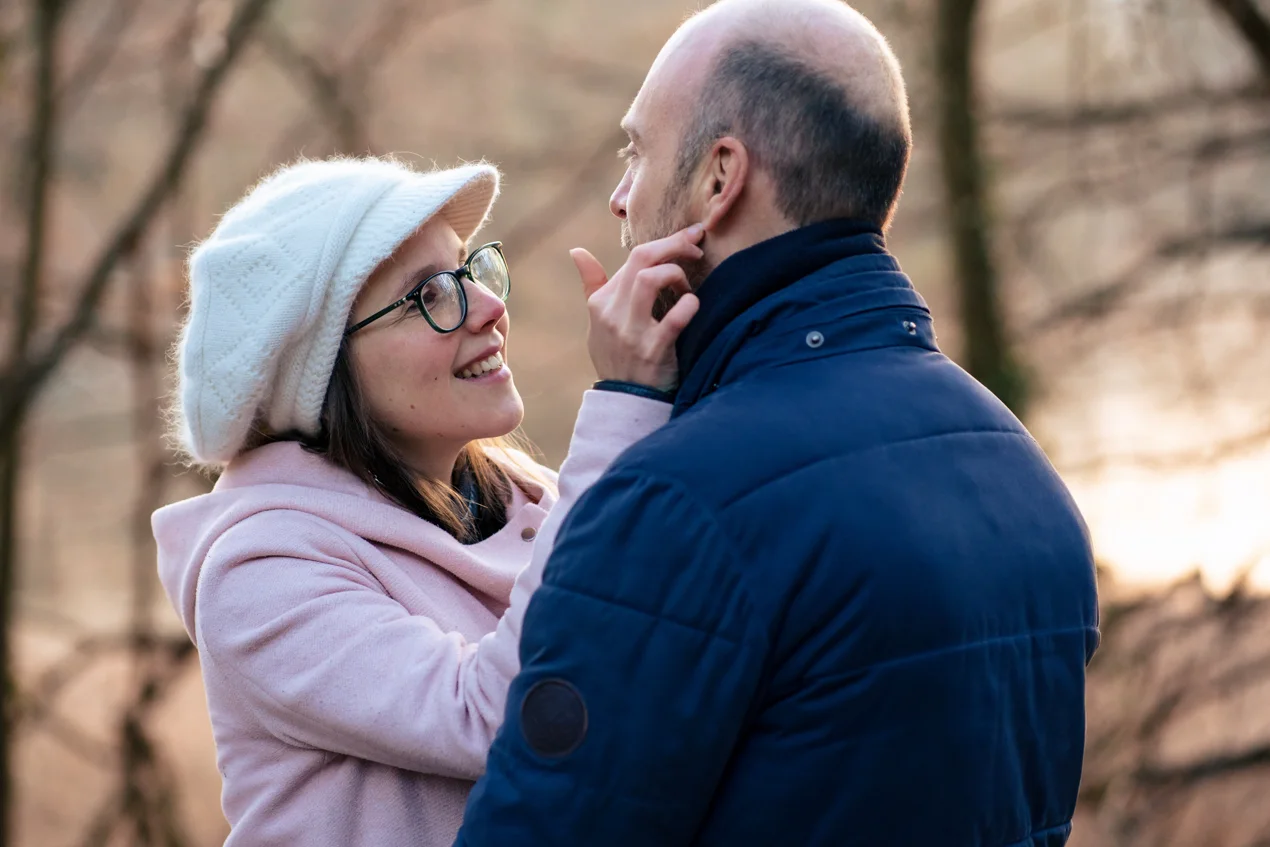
x: 831, y: 270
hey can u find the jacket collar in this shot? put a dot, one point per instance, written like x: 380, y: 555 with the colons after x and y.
x: 754, y: 286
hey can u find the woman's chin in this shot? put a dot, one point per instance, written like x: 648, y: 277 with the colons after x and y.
x: 503, y: 417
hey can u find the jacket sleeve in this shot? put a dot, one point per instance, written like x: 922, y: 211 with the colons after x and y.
x: 642, y: 658
x: 317, y: 649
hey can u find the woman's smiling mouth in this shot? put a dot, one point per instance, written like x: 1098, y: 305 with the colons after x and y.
x: 483, y: 368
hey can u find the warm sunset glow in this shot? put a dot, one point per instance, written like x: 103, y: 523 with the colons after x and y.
x: 1154, y: 527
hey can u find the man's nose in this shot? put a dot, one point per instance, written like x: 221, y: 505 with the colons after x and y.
x: 484, y: 308
x: 617, y: 203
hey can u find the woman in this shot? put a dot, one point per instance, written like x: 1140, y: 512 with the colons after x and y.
x: 357, y: 578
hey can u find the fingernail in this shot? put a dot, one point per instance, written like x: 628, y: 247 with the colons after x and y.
x: 696, y: 229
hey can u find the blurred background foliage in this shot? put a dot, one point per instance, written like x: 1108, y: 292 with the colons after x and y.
x: 1088, y: 214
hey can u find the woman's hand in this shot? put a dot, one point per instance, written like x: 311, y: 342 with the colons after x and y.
x: 625, y: 341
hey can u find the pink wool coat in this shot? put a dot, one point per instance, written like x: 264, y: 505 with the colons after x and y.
x: 356, y: 657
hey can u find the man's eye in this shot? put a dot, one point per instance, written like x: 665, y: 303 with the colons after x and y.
x: 626, y: 153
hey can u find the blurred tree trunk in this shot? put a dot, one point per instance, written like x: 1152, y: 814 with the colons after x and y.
x: 1253, y: 25
x: 28, y: 366
x: 46, y: 15
x: 987, y: 351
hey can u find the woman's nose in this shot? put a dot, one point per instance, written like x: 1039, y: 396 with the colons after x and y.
x: 484, y: 308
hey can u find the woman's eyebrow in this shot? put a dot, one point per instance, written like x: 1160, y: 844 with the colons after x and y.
x: 413, y: 278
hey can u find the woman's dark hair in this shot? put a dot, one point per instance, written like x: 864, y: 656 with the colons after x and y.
x: 353, y: 440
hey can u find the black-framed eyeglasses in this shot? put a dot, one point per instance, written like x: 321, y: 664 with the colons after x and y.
x: 442, y: 297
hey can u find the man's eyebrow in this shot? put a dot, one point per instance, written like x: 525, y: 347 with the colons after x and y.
x: 629, y: 128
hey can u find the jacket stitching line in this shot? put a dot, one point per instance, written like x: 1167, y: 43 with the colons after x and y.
x: 655, y: 616
x: 785, y: 475
x: 956, y: 648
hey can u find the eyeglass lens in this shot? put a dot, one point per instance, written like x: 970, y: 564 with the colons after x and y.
x: 441, y: 296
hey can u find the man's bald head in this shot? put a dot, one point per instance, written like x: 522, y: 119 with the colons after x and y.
x: 809, y: 86
x: 827, y: 36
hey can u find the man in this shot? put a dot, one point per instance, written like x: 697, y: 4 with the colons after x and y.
x: 842, y: 598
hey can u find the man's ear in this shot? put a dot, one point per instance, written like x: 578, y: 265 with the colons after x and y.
x: 725, y: 179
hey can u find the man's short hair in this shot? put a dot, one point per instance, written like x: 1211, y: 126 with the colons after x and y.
x: 827, y: 158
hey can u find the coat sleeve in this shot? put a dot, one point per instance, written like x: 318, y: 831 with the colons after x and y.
x: 642, y: 657
x: 608, y: 423
x: 327, y: 660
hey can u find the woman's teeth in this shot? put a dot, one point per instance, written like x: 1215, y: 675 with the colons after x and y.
x: 481, y: 368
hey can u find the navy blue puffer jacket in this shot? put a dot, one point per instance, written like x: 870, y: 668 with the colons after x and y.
x: 841, y: 599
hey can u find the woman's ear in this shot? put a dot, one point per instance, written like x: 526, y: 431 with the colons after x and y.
x: 725, y: 178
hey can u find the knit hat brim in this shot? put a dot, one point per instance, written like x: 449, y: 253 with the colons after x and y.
x: 469, y: 207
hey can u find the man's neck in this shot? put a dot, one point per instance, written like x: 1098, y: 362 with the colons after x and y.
x: 725, y: 241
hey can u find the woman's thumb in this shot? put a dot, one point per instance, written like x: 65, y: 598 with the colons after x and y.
x: 589, y: 269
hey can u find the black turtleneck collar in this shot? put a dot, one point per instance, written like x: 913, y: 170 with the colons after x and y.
x: 755, y: 273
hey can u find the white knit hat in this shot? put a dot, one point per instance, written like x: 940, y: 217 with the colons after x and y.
x: 272, y: 287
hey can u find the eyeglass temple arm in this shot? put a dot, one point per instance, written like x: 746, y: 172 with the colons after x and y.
x: 352, y: 329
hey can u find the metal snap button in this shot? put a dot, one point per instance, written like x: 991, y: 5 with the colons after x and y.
x: 815, y: 339
x: 910, y: 327
x: 529, y: 533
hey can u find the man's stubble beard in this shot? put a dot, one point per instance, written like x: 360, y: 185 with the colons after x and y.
x: 670, y: 219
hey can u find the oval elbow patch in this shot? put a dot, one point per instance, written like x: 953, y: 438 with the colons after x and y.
x: 553, y: 718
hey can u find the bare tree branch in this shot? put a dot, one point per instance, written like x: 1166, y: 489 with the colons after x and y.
x: 22, y: 382
x: 386, y: 37
x: 149, y: 797
x: 39, y: 158
x: 1026, y: 116
x: 1132, y: 179
x: 104, y: 822
x: 1205, y: 769
x: 105, y: 44
x: 587, y: 73
x: 544, y: 220
x: 36, y: 705
x: 47, y: 21
x: 352, y: 73
x: 1102, y: 299
x: 1253, y: 26
x: 26, y: 372
x: 79, y: 743
x: 323, y: 84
